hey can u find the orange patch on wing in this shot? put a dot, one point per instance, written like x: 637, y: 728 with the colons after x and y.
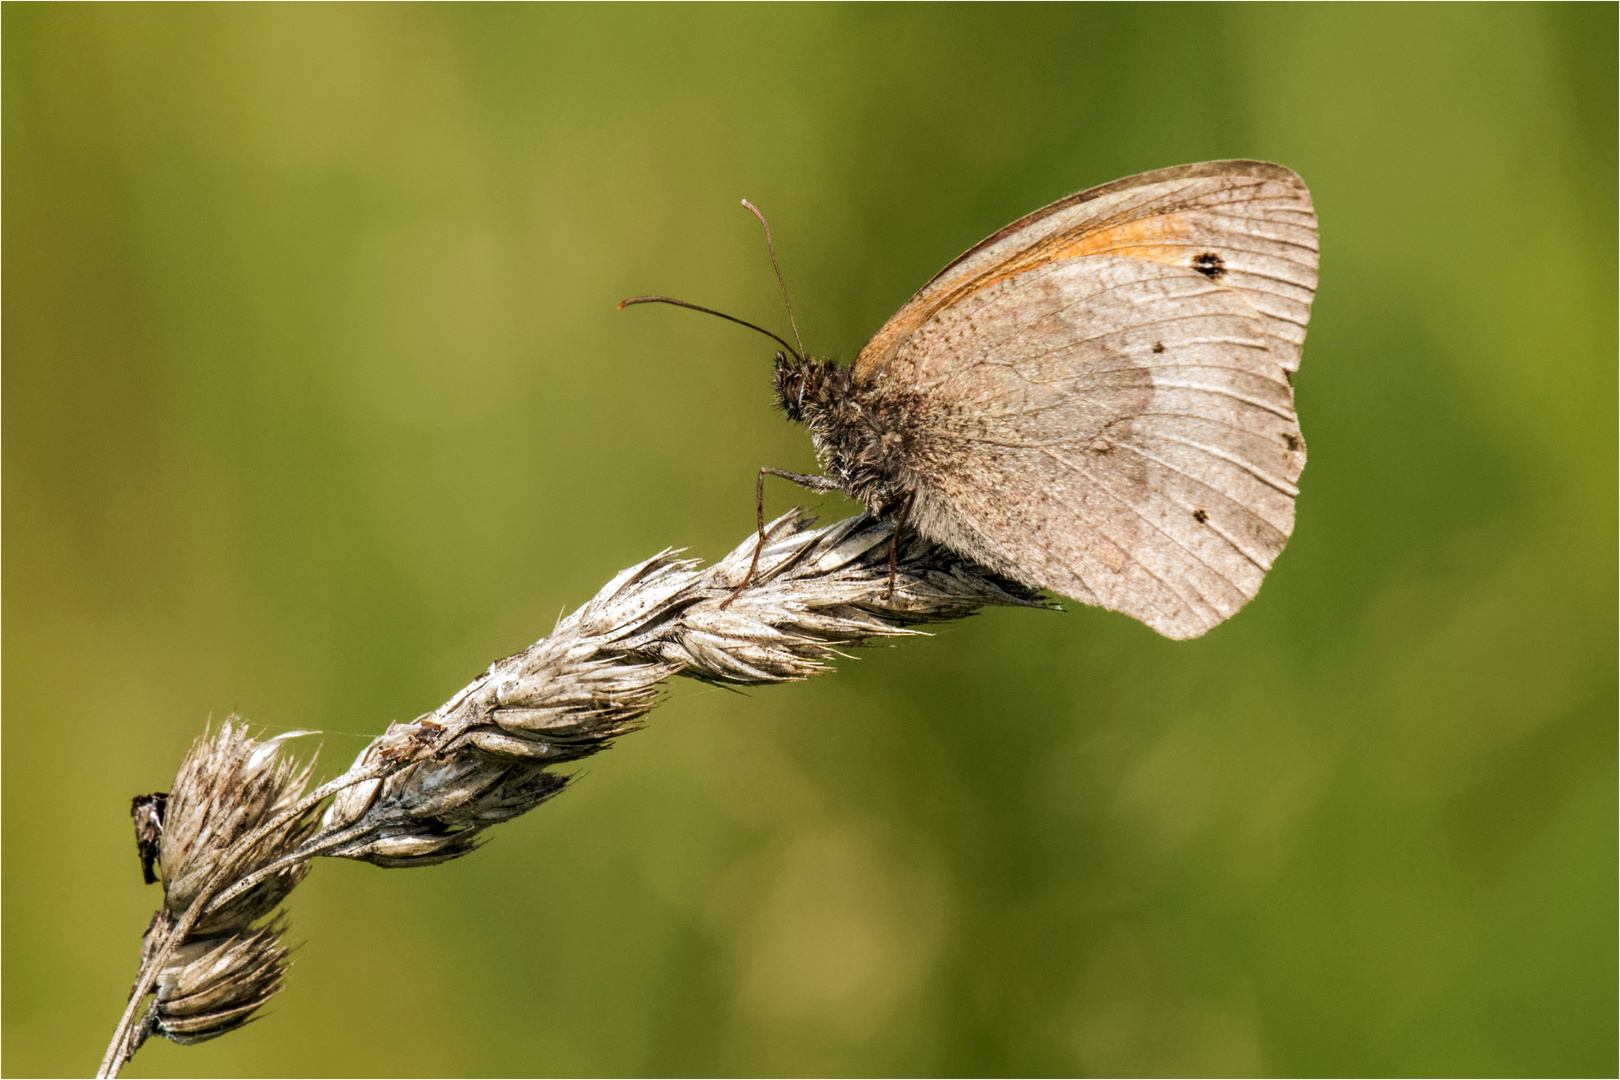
x: 1148, y: 238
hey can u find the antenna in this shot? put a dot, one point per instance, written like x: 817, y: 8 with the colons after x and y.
x: 770, y: 245
x: 710, y: 311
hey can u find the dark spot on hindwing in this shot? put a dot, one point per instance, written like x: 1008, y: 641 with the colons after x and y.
x: 1158, y: 346
x: 1210, y: 265
x: 1201, y: 516
x: 1291, y: 441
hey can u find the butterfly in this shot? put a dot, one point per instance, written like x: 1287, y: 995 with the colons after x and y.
x: 1096, y: 400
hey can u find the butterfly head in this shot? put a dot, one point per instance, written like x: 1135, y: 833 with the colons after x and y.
x: 805, y: 387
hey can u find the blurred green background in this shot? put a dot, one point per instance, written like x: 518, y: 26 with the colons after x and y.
x: 316, y: 401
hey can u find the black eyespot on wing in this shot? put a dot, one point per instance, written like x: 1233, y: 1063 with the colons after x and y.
x: 1158, y: 346
x: 1210, y: 265
x: 1291, y: 441
x: 1201, y: 516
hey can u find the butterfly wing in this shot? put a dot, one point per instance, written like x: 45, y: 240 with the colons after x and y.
x: 1255, y: 218
x: 1096, y: 399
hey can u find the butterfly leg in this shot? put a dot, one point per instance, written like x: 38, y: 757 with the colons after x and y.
x: 819, y: 484
x: 900, y: 521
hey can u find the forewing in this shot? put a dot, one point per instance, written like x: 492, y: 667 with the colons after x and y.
x: 1248, y: 225
x: 1117, y: 429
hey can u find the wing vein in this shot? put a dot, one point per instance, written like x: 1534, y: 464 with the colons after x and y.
x: 1281, y: 486
x: 1207, y: 486
x: 1285, y: 414
x: 1198, y: 596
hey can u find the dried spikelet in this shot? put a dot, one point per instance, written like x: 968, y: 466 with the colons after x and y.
x: 484, y: 756
x: 423, y: 792
x: 228, y: 785
x: 210, y: 986
x: 433, y: 810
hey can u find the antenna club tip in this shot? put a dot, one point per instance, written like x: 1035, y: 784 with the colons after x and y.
x: 620, y: 305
